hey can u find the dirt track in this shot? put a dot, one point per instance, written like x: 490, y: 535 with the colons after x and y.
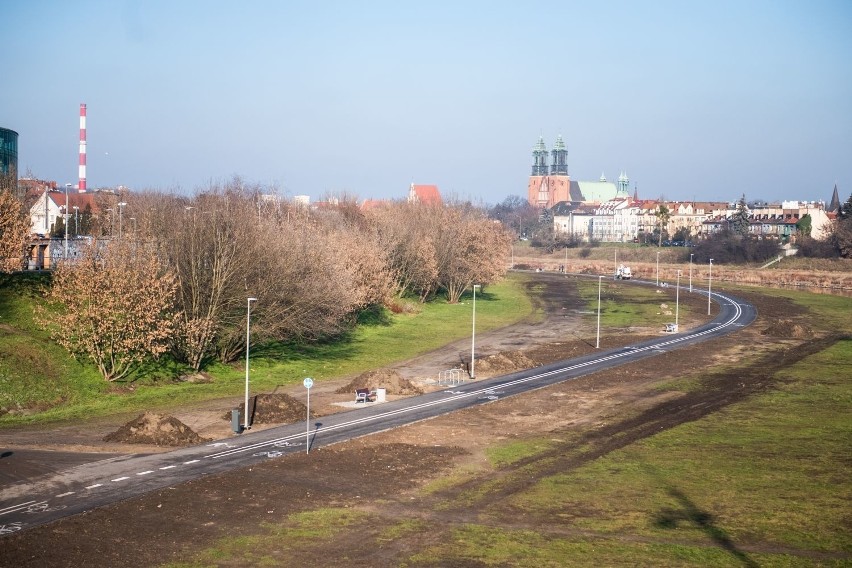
x: 605, y: 412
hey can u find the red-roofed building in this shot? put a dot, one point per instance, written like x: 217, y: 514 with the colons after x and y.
x: 50, y: 205
x: 369, y: 204
x: 425, y: 194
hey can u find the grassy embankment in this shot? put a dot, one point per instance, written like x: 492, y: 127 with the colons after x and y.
x: 763, y: 482
x: 40, y: 382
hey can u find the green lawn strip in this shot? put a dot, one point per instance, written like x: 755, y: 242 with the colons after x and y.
x: 770, y: 471
x: 624, y: 305
x: 40, y: 376
x: 495, y: 546
x: 407, y: 335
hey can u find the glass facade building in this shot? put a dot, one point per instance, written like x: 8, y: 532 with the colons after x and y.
x: 8, y: 153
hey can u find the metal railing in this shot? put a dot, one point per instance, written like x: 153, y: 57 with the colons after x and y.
x: 451, y: 377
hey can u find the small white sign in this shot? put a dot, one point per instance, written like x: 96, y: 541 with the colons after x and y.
x: 308, y: 382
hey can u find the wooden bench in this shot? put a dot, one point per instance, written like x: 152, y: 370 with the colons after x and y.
x: 365, y: 395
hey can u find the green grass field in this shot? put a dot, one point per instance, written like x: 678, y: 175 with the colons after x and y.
x: 624, y: 305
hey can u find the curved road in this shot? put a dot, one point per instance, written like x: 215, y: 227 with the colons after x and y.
x: 106, y: 481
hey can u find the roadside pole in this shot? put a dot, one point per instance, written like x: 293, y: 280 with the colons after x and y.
x: 308, y: 382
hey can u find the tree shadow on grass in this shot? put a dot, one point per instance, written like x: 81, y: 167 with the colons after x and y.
x: 689, y: 512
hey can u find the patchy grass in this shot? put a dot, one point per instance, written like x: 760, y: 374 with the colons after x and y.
x: 508, y: 453
x: 278, y: 541
x: 768, y: 471
x: 477, y: 545
x: 626, y: 305
x: 828, y: 313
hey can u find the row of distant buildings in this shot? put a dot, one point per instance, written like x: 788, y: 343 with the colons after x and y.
x: 605, y: 211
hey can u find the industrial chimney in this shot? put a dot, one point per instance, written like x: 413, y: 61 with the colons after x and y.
x: 82, y: 187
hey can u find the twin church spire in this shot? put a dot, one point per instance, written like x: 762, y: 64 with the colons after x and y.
x: 558, y: 165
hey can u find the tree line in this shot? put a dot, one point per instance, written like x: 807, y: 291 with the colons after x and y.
x: 178, y: 279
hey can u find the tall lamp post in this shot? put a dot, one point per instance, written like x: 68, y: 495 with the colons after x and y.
x: 473, y: 335
x: 248, y: 334
x: 709, y: 286
x: 690, y: 271
x: 677, y: 301
x: 658, y: 268
x: 598, y: 342
x: 65, y: 220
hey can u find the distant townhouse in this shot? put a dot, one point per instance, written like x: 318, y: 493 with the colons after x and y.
x: 779, y: 221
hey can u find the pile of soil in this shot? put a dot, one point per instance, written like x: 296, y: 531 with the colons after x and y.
x: 788, y: 329
x: 387, y: 379
x: 278, y: 408
x: 200, y: 378
x: 504, y: 362
x: 156, y: 429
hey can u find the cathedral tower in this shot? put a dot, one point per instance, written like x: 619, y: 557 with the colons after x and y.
x: 539, y: 158
x: 559, y: 163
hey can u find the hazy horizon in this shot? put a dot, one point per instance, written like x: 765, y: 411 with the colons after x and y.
x: 704, y: 101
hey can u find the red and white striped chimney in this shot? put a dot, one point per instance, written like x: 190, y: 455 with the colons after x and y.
x: 82, y: 187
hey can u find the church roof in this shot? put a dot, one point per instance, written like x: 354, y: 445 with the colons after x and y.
x: 425, y: 194
x: 598, y: 191
x: 835, y: 201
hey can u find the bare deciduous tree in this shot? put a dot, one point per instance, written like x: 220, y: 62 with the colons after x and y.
x: 14, y: 230
x: 114, y: 305
x: 446, y: 248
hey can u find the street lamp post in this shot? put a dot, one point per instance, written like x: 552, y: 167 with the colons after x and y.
x: 65, y: 220
x: 473, y: 335
x: 690, y: 271
x: 658, y: 268
x: 677, y: 301
x: 598, y: 342
x: 248, y: 334
x: 120, y: 209
x: 709, y: 286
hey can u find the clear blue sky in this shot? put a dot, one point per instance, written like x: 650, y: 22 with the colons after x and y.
x: 704, y: 100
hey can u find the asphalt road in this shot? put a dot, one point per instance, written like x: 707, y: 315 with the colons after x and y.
x: 90, y: 485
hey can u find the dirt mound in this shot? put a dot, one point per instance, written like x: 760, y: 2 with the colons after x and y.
x: 200, y: 378
x: 387, y: 379
x: 505, y: 362
x: 277, y: 408
x: 788, y: 329
x: 156, y: 429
